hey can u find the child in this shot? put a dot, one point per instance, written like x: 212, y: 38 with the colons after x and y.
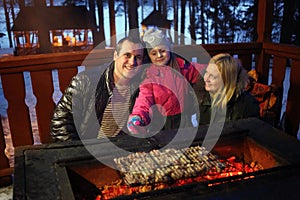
x: 165, y: 88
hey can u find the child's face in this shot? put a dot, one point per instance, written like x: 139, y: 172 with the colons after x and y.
x: 160, y: 55
x: 212, y: 78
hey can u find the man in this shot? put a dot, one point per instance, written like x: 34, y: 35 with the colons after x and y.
x: 97, y: 102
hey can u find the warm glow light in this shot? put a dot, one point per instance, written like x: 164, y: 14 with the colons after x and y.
x: 234, y: 168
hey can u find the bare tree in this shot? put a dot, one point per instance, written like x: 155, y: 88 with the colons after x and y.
x: 11, y: 2
x: 164, y: 5
x: 175, y: 21
x: 133, y: 17
x: 112, y: 23
x: 6, y: 12
x: 43, y: 33
x: 216, y: 20
x: 101, y: 22
x: 192, y: 27
x: 297, y: 23
x: 125, y: 13
x: 92, y: 10
x: 202, y: 22
x: 39, y: 3
x: 182, y: 24
x: 163, y: 10
x: 21, y: 3
x: 159, y: 6
x: 142, y: 8
x: 286, y: 29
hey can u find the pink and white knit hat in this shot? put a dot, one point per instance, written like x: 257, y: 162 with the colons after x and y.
x: 153, y: 38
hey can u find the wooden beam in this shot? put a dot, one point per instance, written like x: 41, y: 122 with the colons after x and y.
x: 264, y: 29
x: 293, y: 106
x: 264, y: 20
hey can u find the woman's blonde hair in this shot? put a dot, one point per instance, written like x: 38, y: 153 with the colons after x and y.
x: 234, y: 76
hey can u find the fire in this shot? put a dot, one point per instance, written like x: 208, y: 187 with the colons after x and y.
x: 233, y: 168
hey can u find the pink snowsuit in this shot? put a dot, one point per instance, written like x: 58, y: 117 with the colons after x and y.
x: 166, y: 87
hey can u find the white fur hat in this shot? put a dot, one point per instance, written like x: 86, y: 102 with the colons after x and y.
x: 153, y: 38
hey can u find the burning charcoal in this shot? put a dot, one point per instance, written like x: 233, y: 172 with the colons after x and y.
x: 255, y: 166
x: 145, y: 188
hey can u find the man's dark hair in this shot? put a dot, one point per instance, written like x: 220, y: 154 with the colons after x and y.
x: 135, y: 40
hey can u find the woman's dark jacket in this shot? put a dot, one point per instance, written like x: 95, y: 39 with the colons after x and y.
x: 243, y: 107
x: 80, y: 110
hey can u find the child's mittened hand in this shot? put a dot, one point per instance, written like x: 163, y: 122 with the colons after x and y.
x: 136, y: 120
x: 135, y: 124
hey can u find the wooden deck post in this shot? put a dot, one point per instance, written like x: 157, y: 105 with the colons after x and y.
x: 264, y: 29
x: 5, y: 178
x: 293, y: 107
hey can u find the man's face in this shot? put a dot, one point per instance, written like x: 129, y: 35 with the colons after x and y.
x: 212, y: 78
x: 160, y: 55
x: 129, y: 60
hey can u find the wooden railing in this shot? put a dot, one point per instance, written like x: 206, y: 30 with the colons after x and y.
x: 283, y: 55
x: 20, y: 127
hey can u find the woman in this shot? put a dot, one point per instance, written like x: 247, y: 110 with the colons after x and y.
x: 225, y: 81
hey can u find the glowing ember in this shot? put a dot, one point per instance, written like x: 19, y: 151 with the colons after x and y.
x: 233, y: 167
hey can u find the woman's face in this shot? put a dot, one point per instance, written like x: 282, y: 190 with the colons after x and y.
x: 160, y: 55
x: 212, y: 78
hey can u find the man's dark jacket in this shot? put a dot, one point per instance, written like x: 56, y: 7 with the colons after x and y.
x: 80, y: 110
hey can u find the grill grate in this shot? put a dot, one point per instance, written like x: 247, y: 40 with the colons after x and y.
x: 168, y: 165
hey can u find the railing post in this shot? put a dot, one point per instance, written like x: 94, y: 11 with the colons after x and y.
x: 5, y: 178
x: 293, y: 107
x: 264, y: 29
x: 278, y: 75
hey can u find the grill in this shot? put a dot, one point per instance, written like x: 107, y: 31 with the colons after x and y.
x: 250, y: 160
